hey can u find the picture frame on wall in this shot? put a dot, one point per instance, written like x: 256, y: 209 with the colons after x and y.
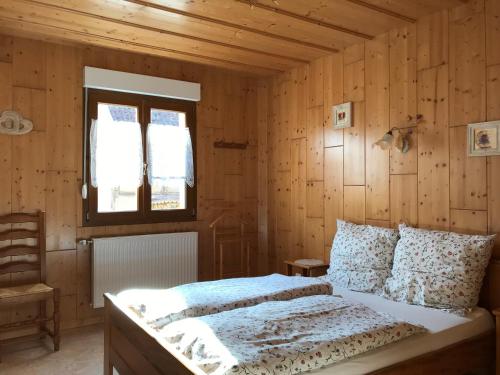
x: 342, y: 115
x: 484, y: 138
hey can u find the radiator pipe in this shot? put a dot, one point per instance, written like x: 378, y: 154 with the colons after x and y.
x: 85, y: 242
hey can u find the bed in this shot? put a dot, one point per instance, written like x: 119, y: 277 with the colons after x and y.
x: 453, y: 346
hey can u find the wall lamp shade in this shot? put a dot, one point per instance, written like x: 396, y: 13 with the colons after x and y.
x: 400, y: 141
x: 386, y: 141
x: 397, y: 138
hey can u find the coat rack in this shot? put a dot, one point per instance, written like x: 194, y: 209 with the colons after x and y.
x: 224, y: 236
x: 231, y: 145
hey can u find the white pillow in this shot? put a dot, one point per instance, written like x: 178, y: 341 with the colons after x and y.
x: 361, y: 256
x: 438, y: 269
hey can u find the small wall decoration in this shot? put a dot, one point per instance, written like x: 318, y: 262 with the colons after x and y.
x: 12, y: 123
x: 484, y: 138
x: 342, y: 115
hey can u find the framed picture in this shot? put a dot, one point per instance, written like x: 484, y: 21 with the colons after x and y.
x: 484, y: 138
x: 342, y: 115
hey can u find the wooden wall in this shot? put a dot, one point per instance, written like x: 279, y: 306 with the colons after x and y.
x: 42, y: 170
x: 445, y: 67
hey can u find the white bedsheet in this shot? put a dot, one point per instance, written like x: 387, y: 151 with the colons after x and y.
x: 444, y: 329
x: 284, y: 337
x: 159, y: 307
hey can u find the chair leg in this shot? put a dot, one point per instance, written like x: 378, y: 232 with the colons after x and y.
x: 56, y: 318
x: 43, y: 315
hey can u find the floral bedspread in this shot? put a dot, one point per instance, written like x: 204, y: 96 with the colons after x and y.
x: 284, y: 337
x: 161, y: 307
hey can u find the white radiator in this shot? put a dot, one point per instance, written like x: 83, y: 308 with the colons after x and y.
x: 146, y: 261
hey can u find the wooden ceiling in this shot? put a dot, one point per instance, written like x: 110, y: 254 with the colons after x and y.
x: 256, y: 36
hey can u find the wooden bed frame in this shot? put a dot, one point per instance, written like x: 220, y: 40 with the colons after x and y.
x: 131, y: 348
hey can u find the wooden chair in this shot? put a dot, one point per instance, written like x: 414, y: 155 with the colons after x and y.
x: 25, y: 252
x: 229, y: 233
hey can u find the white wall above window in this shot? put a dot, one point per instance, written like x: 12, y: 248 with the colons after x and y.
x: 140, y: 84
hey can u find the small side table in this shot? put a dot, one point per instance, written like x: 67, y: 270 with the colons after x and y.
x: 305, y: 270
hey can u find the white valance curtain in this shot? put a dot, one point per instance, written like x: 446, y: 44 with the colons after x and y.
x: 116, y: 154
x: 170, y: 155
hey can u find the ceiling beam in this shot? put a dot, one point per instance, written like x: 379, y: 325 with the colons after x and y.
x: 163, y: 31
x: 232, y: 25
x: 282, y: 12
x: 386, y: 11
x: 194, y: 58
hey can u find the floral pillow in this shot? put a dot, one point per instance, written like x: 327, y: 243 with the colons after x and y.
x: 438, y: 269
x: 361, y: 256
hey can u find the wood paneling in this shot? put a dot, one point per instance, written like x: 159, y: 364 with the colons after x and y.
x: 65, y: 107
x: 403, y: 75
x: 315, y: 82
x: 405, y: 163
x: 494, y: 199
x: 314, y: 199
x: 334, y: 190
x: 29, y: 64
x: 467, y: 69
x: 6, y: 48
x: 432, y: 40
x: 404, y: 199
x: 274, y: 37
x: 314, y: 164
x: 436, y: 184
x: 314, y: 238
x: 493, y: 89
x: 62, y: 189
x: 283, y: 203
x: 298, y: 194
x: 492, y: 31
x: 354, y: 204
x: 262, y: 175
x: 333, y: 72
x: 377, y: 124
x: 43, y: 169
x: 433, y: 149
x: 28, y: 172
x: 467, y: 174
x: 469, y: 221
x: 61, y: 266
x: 354, y: 145
x: 354, y: 81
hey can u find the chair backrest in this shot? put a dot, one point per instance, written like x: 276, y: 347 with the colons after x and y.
x: 22, y: 247
x: 231, y: 245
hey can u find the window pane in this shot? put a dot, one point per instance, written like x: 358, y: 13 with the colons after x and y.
x: 172, y: 118
x: 117, y: 112
x: 116, y: 198
x: 170, y: 194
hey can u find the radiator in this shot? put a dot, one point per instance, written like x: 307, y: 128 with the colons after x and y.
x: 145, y: 261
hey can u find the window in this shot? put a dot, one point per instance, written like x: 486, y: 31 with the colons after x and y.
x: 139, y: 151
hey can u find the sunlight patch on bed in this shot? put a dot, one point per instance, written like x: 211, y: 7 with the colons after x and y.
x: 152, y: 304
x: 209, y: 354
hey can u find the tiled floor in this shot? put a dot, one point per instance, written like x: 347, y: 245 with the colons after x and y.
x: 81, y: 354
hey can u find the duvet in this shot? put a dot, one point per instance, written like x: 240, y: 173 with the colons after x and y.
x: 284, y: 337
x: 161, y: 307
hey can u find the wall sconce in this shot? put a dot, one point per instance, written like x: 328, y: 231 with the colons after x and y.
x: 12, y: 123
x: 398, y: 137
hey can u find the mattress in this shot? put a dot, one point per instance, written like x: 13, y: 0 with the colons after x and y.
x: 443, y: 329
